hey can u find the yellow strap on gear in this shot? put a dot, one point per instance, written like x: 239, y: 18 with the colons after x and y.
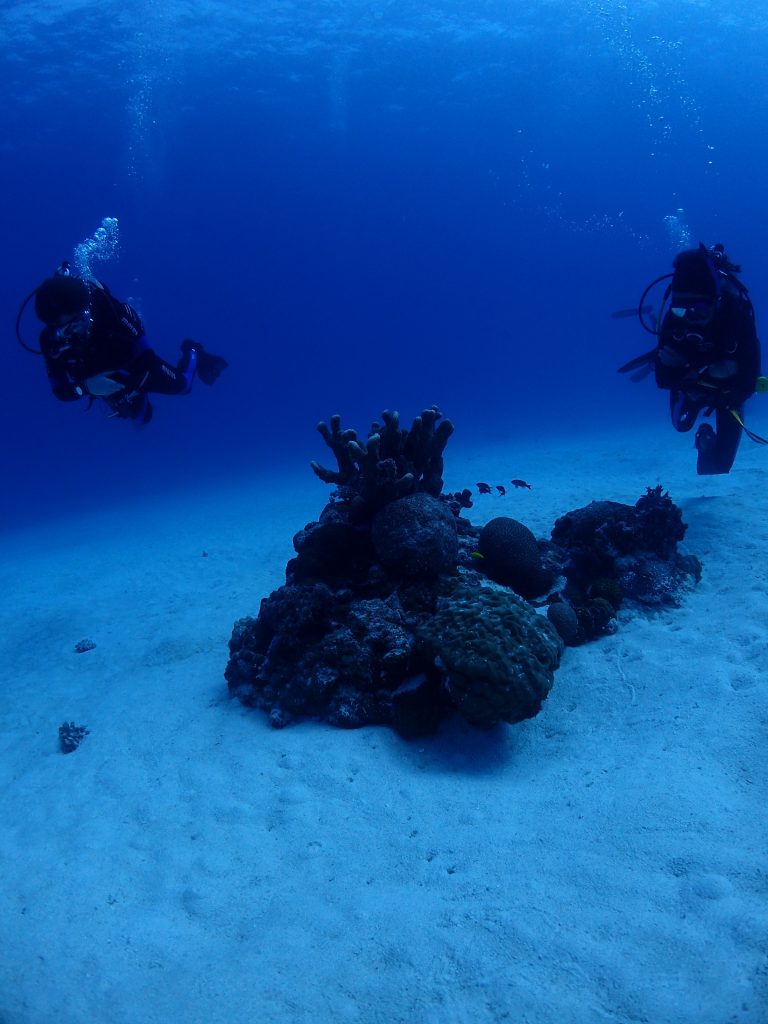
x: 750, y: 433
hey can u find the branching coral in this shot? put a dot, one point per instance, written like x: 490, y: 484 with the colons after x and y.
x: 392, y: 463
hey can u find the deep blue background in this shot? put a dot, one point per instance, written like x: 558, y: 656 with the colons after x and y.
x: 365, y: 206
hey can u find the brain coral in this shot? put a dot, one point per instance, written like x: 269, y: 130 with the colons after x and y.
x: 512, y: 557
x: 497, y: 654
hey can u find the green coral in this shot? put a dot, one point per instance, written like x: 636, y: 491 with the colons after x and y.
x: 497, y: 653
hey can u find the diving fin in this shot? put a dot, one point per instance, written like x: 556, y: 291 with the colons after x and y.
x: 642, y: 373
x: 646, y: 359
x: 622, y: 314
x: 209, y: 366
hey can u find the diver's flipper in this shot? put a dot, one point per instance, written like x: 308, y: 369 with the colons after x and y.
x: 642, y: 373
x: 646, y: 358
x: 209, y: 366
x: 621, y: 314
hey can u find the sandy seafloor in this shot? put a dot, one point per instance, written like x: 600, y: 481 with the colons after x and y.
x: 604, y: 862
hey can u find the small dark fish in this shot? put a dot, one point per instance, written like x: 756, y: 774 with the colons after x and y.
x: 520, y: 483
x: 484, y: 488
x: 502, y: 490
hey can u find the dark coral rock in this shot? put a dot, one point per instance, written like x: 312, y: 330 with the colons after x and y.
x: 659, y: 523
x: 653, y: 581
x: 300, y: 613
x: 416, y: 536
x: 460, y: 500
x: 469, y: 543
x: 71, y: 736
x: 332, y: 550
x: 350, y: 709
x: 309, y: 655
x: 383, y: 628
x: 610, y: 590
x: 565, y: 620
x: 689, y: 565
x: 605, y: 530
x: 512, y: 557
x: 498, y: 655
x: 597, y: 534
x: 596, y: 618
x: 613, y: 552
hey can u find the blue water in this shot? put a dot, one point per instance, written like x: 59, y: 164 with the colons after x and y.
x: 363, y: 206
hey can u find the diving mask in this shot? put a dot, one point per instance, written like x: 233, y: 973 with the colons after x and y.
x: 78, y: 328
x: 696, y: 313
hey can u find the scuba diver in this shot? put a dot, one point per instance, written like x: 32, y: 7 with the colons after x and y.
x: 707, y: 353
x: 94, y: 347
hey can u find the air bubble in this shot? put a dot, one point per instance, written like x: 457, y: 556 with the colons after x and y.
x: 101, y: 247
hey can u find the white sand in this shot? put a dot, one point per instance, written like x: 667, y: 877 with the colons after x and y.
x: 604, y: 862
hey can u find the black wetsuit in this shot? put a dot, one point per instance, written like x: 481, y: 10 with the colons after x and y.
x: 115, y: 346
x: 708, y: 367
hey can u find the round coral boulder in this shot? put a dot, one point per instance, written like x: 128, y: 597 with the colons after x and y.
x: 511, y: 557
x: 565, y: 620
x: 497, y: 654
x: 416, y: 536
